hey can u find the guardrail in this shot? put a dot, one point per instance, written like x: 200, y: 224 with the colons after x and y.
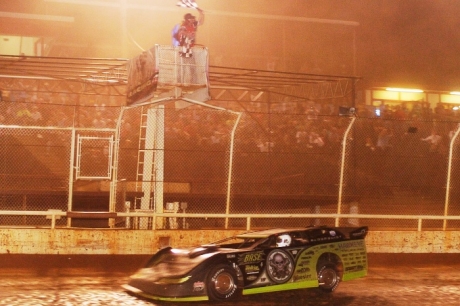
x: 54, y: 215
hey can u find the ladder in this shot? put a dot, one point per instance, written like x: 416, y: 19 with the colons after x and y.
x: 140, y: 175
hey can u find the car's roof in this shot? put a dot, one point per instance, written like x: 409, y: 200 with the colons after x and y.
x: 269, y: 232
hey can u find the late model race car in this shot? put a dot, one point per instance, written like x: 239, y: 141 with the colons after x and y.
x: 256, y: 262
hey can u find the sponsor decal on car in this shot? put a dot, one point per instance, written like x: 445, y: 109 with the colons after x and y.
x: 252, y: 269
x: 251, y: 258
x: 303, y: 270
x: 323, y: 239
x: 351, y: 244
x: 302, y: 277
x: 302, y: 273
x: 280, y: 266
x: 354, y: 268
x: 304, y: 263
x: 198, y: 286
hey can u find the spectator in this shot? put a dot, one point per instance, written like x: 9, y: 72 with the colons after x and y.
x: 434, y: 141
x: 383, y: 139
x: 315, y: 140
x: 23, y: 114
x: 36, y: 116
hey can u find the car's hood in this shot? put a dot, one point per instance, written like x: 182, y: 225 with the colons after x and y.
x: 176, y: 264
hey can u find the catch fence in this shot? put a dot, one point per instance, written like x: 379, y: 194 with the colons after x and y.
x: 144, y: 163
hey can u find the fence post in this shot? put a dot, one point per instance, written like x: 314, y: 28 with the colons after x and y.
x: 342, y: 168
x: 449, y: 173
x: 71, y: 175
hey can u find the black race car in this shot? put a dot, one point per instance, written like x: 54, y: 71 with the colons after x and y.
x: 255, y: 262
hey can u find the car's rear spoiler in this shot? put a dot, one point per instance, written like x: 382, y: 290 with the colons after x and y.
x: 354, y: 232
x: 359, y: 233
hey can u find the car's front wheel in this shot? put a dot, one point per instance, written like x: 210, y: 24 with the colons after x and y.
x: 328, y: 277
x: 222, y: 283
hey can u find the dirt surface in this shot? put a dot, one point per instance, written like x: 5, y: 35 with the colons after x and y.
x: 393, y: 279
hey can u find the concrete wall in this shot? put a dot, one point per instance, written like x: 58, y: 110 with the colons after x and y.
x: 128, y: 242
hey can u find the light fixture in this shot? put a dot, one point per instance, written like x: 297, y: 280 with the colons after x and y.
x: 455, y: 93
x: 403, y: 89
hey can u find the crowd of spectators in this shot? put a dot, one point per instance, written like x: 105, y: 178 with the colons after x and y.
x: 289, y: 130
x: 285, y: 127
x: 27, y: 105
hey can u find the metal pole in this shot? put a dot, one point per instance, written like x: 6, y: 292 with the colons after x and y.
x: 449, y: 174
x: 230, y: 168
x: 114, y: 166
x: 342, y: 169
x: 71, y: 171
x: 354, y: 52
x: 159, y: 147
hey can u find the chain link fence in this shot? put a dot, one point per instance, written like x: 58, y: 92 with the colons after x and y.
x: 47, y: 128
x: 34, y: 167
x: 404, y: 167
x: 278, y: 163
x: 206, y: 160
x: 173, y: 159
x: 76, y: 149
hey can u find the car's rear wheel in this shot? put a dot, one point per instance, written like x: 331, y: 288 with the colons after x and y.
x: 222, y: 283
x: 328, y: 277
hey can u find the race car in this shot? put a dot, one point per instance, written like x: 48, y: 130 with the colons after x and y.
x: 255, y: 262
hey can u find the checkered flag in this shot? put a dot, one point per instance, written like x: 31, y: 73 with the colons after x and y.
x: 188, y: 3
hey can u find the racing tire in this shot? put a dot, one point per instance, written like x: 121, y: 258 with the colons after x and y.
x: 222, y: 283
x: 328, y: 277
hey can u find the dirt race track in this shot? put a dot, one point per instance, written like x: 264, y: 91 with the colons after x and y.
x: 393, y: 279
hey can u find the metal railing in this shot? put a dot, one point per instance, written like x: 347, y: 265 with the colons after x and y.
x: 54, y: 215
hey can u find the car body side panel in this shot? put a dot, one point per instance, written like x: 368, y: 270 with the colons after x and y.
x: 190, y: 286
x: 282, y: 287
x: 162, y: 298
x: 352, y: 255
x: 354, y: 258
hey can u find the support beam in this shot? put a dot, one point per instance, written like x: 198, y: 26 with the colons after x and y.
x: 37, y: 17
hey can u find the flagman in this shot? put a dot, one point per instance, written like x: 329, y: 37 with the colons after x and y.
x: 186, y: 34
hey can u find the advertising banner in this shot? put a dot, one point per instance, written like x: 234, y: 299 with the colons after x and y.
x: 142, y: 77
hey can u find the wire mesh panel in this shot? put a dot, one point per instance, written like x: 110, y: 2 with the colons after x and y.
x: 295, y: 163
x: 94, y: 157
x: 193, y: 160
x: 36, y: 141
x: 452, y: 200
x: 282, y: 153
x: 286, y: 163
x: 399, y: 167
x: 182, y: 71
x: 34, y: 171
